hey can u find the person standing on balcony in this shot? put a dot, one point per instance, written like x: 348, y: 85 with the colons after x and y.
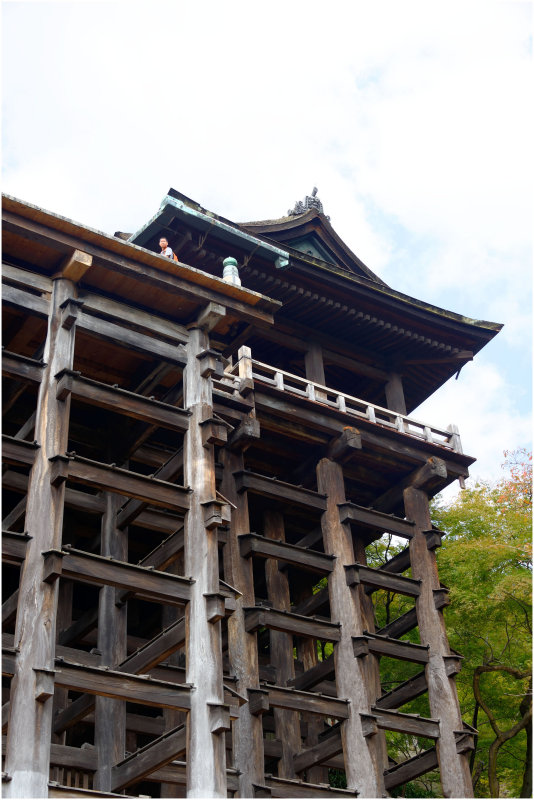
x: 165, y: 249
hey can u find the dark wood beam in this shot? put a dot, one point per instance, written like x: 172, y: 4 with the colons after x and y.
x: 157, y: 587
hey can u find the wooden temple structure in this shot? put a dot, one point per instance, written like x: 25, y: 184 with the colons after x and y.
x: 194, y: 468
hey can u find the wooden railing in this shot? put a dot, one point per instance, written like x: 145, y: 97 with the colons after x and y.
x: 248, y: 368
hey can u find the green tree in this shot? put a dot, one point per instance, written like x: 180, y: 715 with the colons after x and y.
x: 486, y: 562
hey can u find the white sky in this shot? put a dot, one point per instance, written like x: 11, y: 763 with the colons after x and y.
x: 414, y: 119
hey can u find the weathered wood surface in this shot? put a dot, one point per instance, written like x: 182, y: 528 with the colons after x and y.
x: 110, y: 714
x: 160, y: 587
x: 28, y: 757
x: 155, y: 755
x: 375, y: 521
x: 121, y: 481
x: 14, y: 547
x: 21, y: 367
x: 242, y: 650
x: 321, y: 671
x: 282, y: 697
x: 112, y: 683
x: 127, y: 403
x: 326, y: 748
x: 280, y: 787
x: 251, y: 544
x: 287, y: 725
x: 206, y: 761
x: 380, y: 579
x: 258, y: 617
x: 279, y: 490
x: 411, y: 724
x: 443, y: 699
x: 393, y: 648
x: 18, y: 451
x: 363, y: 772
x: 411, y: 768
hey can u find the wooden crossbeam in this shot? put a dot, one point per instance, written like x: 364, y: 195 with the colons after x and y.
x: 21, y: 367
x: 19, y: 298
x: 256, y: 618
x: 400, y: 626
x: 328, y: 747
x: 121, y: 481
x: 122, y: 401
x: 285, y: 787
x: 400, y: 723
x: 167, y: 472
x: 269, y: 696
x: 9, y: 608
x: 155, y: 755
x: 376, y: 521
x: 411, y: 768
x: 175, y: 772
x: 14, y: 547
x: 132, y: 339
x: 398, y: 563
x: 252, y: 544
x: 324, y: 670
x: 393, y: 648
x: 132, y: 688
x: 313, y: 603
x: 278, y: 490
x: 380, y: 579
x: 158, y: 587
x: 18, y: 451
x: 157, y: 649
x: 415, y: 686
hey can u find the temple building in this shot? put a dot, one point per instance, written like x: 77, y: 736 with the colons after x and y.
x: 200, y: 456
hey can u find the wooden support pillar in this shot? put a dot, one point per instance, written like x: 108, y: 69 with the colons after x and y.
x: 171, y: 716
x: 363, y: 766
x: 314, y: 364
x: 110, y: 714
x: 442, y: 694
x: 395, y: 393
x: 206, y: 756
x: 31, y: 699
x: 307, y: 654
x: 242, y: 647
x: 287, y: 724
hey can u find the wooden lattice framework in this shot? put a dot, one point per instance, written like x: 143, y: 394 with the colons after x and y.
x: 185, y: 462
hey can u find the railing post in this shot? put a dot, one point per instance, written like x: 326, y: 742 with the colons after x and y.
x: 456, y: 443
x: 244, y: 356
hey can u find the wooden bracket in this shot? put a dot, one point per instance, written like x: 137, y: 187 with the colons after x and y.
x: 214, y: 431
x: 44, y: 684
x: 215, y: 606
x: 342, y: 448
x: 243, y: 436
x: 210, y: 363
x: 215, y: 513
x: 433, y: 538
x: 75, y: 266
x: 360, y: 645
x: 369, y: 724
x: 258, y: 701
x: 60, y: 469
x: 261, y: 791
x: 219, y: 717
x: 441, y: 597
x: 453, y: 664
x: 70, y: 311
x: 465, y: 739
x: 246, y: 386
x: 64, y: 384
x: 53, y: 565
x: 210, y: 316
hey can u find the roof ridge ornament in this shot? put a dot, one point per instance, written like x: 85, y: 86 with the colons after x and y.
x: 310, y: 201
